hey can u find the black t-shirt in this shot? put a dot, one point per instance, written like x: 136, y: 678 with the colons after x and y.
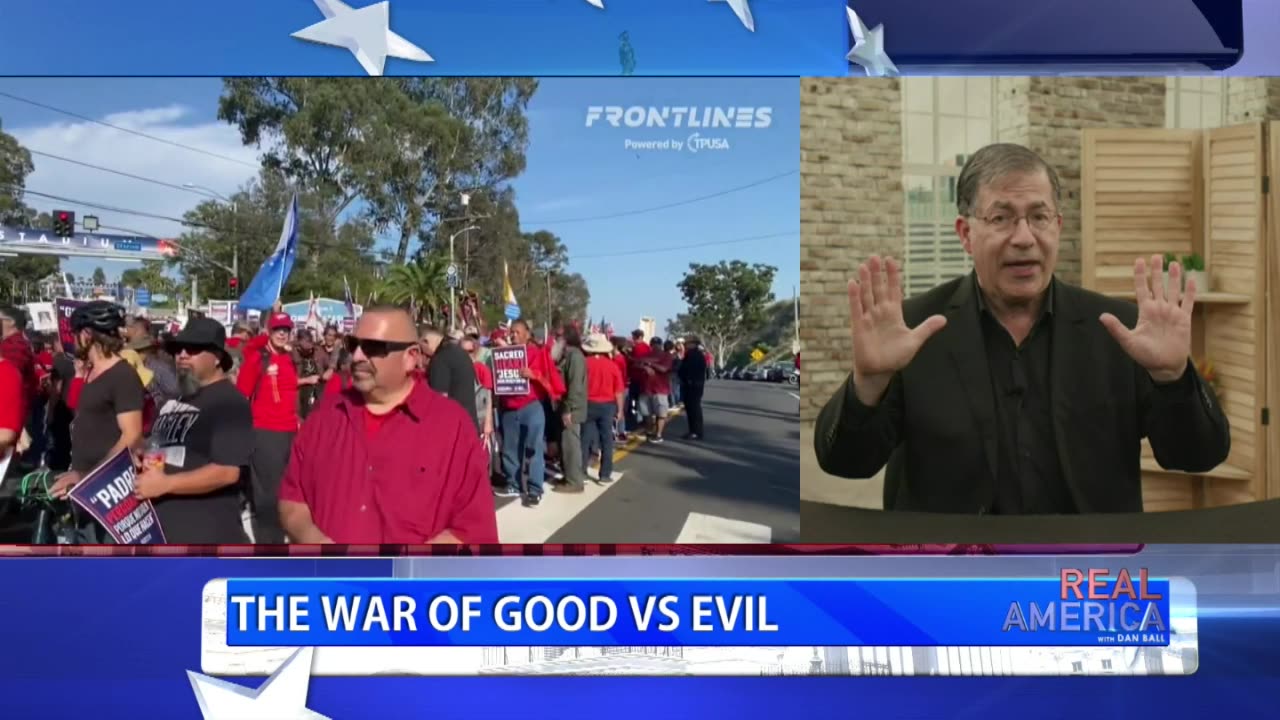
x: 214, y: 426
x: 453, y: 373
x: 116, y: 391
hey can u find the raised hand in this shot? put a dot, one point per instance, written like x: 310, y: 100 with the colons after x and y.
x: 1161, y: 340
x: 882, y: 342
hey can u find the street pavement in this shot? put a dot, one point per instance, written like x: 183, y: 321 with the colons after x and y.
x: 738, y: 485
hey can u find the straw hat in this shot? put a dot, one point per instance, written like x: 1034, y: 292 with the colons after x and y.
x: 597, y: 343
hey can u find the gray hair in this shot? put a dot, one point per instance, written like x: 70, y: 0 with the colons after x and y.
x: 996, y: 161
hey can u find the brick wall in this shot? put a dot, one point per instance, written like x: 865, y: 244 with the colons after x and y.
x: 1251, y: 99
x: 1058, y: 109
x: 851, y: 206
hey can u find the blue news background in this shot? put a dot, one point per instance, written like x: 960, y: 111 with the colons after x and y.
x: 570, y: 37
x: 107, y: 638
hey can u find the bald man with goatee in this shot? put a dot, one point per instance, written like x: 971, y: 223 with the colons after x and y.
x: 388, y: 461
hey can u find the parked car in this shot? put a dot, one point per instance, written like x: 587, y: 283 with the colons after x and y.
x: 774, y: 373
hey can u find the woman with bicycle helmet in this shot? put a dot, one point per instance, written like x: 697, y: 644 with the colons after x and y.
x: 109, y: 413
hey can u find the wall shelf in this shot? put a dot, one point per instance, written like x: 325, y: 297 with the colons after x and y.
x: 1156, y: 191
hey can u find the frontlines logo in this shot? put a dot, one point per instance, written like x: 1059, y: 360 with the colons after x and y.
x: 698, y: 118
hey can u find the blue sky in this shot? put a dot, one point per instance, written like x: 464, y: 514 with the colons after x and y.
x: 632, y: 261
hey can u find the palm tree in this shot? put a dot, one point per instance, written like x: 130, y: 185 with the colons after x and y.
x: 421, y: 284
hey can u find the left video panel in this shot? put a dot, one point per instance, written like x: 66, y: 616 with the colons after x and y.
x: 372, y: 312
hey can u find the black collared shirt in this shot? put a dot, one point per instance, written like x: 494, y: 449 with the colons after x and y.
x: 1029, y: 477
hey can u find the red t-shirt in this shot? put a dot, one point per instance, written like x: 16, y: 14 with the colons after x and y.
x: 73, y: 392
x: 484, y: 375
x: 11, y: 398
x: 604, y: 380
x: 659, y: 383
x: 336, y: 383
x: 403, y: 478
x: 275, y: 406
x: 621, y: 361
x: 540, y: 364
x: 234, y: 342
x: 635, y: 368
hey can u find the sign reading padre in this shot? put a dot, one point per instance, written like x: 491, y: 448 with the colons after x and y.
x: 106, y: 493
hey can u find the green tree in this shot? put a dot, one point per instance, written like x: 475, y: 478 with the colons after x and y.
x: 727, y: 302
x: 420, y: 284
x: 407, y: 146
x: 150, y: 276
x: 99, y: 277
x: 248, y: 230
x: 20, y: 275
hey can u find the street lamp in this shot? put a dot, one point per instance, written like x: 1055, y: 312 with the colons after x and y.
x: 235, y: 213
x: 453, y: 311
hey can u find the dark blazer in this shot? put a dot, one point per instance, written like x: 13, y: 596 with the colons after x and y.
x: 936, y: 425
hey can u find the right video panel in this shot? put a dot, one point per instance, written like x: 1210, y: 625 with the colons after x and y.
x: 1040, y: 309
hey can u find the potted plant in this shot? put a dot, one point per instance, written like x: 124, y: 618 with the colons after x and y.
x: 1193, y: 269
x: 1169, y: 260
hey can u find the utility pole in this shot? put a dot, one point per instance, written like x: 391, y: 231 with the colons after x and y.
x: 546, y: 328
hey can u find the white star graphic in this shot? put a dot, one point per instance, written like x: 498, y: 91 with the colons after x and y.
x: 743, y: 11
x: 366, y: 32
x: 282, y: 697
x: 596, y: 3
x: 868, y: 48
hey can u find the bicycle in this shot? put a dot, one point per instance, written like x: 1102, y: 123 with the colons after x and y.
x: 55, y: 518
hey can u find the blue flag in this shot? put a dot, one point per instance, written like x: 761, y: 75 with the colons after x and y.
x: 267, y: 285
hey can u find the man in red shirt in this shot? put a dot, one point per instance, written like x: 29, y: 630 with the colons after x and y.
x: 524, y: 421
x: 15, y: 348
x: 269, y: 378
x: 391, y: 461
x: 11, y: 418
x: 657, y: 366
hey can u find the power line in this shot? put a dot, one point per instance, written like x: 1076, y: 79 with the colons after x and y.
x: 562, y: 221
x: 673, y: 248
x: 109, y: 208
x: 121, y: 173
x: 130, y: 131
x: 668, y: 206
x: 199, y: 225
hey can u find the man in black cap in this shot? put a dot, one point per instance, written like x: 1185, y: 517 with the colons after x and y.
x: 207, y: 438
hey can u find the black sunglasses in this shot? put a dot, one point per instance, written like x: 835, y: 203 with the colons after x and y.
x: 377, y: 348
x: 176, y: 349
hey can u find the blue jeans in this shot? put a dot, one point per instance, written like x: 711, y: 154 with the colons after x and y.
x: 524, y: 432
x: 597, y: 432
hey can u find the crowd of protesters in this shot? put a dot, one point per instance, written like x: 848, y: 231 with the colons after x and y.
x: 389, y: 433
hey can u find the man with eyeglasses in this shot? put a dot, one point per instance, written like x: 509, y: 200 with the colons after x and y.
x: 207, y: 438
x: 390, y: 461
x: 268, y: 376
x: 1009, y: 391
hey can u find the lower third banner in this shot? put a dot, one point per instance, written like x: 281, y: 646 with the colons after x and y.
x: 1080, y: 608
x: 106, y: 493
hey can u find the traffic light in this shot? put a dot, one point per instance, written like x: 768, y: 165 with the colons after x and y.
x: 234, y: 285
x: 64, y: 223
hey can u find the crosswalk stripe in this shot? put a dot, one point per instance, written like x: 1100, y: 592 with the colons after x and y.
x: 701, y: 529
x: 521, y: 525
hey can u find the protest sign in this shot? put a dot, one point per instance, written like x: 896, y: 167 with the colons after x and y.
x: 507, y: 364
x: 106, y: 493
x: 65, y: 307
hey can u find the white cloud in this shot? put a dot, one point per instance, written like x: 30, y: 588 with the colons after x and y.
x: 110, y: 148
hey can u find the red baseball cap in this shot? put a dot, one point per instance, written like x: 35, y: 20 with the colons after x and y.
x: 280, y: 321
